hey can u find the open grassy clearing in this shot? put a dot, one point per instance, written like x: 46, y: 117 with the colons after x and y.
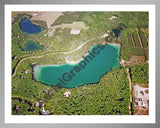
x: 75, y: 26
x: 15, y: 13
x: 77, y: 55
x: 40, y: 23
x: 67, y: 17
x: 135, y: 60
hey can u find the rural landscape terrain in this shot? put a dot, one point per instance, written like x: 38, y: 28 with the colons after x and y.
x: 64, y: 38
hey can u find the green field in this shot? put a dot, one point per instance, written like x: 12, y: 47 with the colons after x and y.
x: 136, y: 40
x: 130, y: 40
x: 68, y: 17
x: 143, y: 39
x: 40, y: 23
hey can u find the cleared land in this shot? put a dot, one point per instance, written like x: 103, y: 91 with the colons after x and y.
x: 48, y: 17
x: 138, y: 41
x: 74, y: 26
x: 141, y: 99
x: 135, y: 60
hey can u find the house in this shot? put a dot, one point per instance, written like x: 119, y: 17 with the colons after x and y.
x: 113, y: 17
x: 26, y: 71
x: 51, y: 92
x: 35, y: 14
x: 17, y: 107
x: 34, y: 110
x: 14, y: 57
x: 36, y: 104
x: 144, y: 104
x: 41, y: 103
x: 136, y: 103
x: 140, y: 99
x: 67, y: 94
x: 45, y: 112
x: 12, y: 19
x: 21, y: 77
x: 73, y: 31
x: 141, y: 92
x: 45, y: 91
x: 105, y: 35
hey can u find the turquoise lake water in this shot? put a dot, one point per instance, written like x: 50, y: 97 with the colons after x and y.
x: 29, y: 28
x: 30, y: 45
x: 99, y: 60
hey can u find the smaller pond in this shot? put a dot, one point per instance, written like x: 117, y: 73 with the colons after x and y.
x: 116, y: 32
x: 30, y: 45
x: 29, y: 28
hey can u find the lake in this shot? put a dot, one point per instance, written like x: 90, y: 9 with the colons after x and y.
x: 29, y: 28
x: 97, y: 62
x: 31, y: 45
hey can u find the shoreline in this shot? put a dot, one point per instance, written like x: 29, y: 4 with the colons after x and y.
x: 75, y: 62
x: 44, y: 27
x: 37, y: 68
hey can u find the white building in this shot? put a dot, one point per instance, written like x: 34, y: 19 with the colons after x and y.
x: 74, y: 31
x: 67, y: 94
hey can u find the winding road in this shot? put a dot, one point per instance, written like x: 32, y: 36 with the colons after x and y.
x: 130, y: 88
x: 53, y: 53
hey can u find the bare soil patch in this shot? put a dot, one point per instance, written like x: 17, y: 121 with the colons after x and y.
x: 73, y: 31
x: 141, y: 99
x: 135, y: 60
x: 48, y: 17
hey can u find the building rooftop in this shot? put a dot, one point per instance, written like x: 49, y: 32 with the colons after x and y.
x: 67, y: 94
x: 26, y: 71
x: 45, y: 112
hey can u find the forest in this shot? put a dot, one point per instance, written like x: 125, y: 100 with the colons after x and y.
x: 109, y: 97
x: 140, y: 74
